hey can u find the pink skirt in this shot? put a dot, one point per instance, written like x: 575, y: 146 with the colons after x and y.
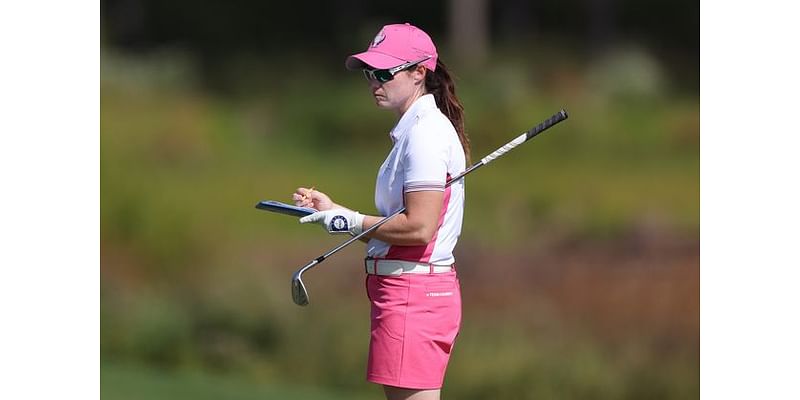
x: 415, y: 321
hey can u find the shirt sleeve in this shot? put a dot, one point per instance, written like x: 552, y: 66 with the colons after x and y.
x: 425, y: 160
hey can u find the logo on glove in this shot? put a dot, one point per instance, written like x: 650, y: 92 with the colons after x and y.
x: 338, y: 224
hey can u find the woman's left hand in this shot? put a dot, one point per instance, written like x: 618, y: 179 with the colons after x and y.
x: 340, y: 220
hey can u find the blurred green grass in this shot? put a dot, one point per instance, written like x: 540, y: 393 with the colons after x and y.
x: 195, y: 279
x: 131, y: 382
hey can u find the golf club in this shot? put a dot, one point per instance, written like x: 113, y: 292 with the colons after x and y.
x: 299, y: 292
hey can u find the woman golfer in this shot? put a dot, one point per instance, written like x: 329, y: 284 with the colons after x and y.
x: 411, y: 278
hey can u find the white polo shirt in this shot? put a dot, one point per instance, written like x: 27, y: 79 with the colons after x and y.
x: 426, y: 153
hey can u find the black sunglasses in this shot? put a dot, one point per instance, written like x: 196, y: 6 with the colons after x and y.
x: 385, y: 75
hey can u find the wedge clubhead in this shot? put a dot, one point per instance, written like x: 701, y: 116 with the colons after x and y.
x: 299, y: 293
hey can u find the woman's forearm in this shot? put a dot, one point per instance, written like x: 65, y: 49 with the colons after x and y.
x: 413, y: 227
x: 400, y: 230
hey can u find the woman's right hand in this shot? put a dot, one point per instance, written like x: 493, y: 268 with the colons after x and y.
x: 304, y: 197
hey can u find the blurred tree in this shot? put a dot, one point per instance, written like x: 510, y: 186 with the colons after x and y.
x: 267, y: 24
x: 601, y: 25
x: 516, y: 18
x: 468, y: 27
x: 127, y: 17
x: 220, y: 33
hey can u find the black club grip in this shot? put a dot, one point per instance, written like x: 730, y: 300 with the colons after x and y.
x: 556, y: 118
x: 524, y: 137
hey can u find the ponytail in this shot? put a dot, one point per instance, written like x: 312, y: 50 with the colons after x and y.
x: 441, y: 85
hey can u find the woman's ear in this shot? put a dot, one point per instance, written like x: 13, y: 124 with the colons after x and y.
x: 419, y: 74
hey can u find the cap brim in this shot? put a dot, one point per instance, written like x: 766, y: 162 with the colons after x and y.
x: 372, y: 59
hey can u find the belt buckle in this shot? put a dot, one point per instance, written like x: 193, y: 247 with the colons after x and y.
x: 373, y: 268
x: 395, y: 271
x: 366, y: 266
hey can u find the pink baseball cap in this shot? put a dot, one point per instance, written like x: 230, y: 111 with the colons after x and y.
x: 394, y: 45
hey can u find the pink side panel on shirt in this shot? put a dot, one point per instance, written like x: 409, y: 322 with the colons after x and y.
x: 421, y: 253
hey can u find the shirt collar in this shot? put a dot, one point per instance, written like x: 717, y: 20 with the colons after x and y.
x: 418, y: 107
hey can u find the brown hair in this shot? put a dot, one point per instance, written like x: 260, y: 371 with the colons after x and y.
x: 441, y: 85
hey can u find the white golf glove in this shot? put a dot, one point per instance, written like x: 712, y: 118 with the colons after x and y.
x: 340, y: 220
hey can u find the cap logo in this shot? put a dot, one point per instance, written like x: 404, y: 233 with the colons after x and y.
x: 378, y: 39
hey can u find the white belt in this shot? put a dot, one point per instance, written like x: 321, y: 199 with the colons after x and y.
x: 398, y: 267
